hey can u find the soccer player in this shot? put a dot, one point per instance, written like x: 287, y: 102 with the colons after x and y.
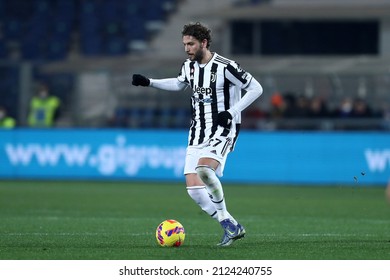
x: 217, y: 103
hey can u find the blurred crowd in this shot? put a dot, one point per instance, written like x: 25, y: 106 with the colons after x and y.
x: 285, y: 111
x: 290, y: 110
x: 290, y: 105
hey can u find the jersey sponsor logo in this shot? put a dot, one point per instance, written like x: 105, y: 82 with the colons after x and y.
x: 242, y: 73
x: 203, y: 100
x: 202, y: 90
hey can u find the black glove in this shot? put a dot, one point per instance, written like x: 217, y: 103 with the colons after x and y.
x: 139, y: 80
x: 225, y: 119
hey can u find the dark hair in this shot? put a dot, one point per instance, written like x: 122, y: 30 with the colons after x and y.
x: 198, y: 31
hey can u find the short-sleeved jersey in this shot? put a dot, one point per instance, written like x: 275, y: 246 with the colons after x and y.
x: 216, y: 87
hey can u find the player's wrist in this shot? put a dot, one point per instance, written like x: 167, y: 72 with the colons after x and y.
x: 233, y: 112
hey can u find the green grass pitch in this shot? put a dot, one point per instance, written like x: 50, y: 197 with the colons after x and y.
x: 85, y: 220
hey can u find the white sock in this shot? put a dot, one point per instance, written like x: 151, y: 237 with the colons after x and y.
x: 214, y: 187
x: 200, y: 195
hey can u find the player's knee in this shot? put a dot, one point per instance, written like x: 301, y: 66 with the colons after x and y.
x: 205, y: 173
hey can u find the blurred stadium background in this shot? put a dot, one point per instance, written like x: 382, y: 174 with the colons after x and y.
x: 324, y: 64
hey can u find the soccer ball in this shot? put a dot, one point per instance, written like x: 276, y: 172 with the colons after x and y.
x: 170, y: 233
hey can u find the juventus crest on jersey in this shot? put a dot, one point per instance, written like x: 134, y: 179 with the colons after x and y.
x: 216, y: 87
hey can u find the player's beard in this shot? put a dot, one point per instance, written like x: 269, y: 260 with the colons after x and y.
x: 198, y: 56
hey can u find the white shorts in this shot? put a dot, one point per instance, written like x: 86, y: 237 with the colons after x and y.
x: 216, y: 148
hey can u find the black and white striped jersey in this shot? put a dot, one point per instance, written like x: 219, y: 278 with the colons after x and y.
x: 216, y: 87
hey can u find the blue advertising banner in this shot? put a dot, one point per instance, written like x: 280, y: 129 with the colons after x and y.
x: 93, y: 154
x: 259, y: 157
x: 311, y: 157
